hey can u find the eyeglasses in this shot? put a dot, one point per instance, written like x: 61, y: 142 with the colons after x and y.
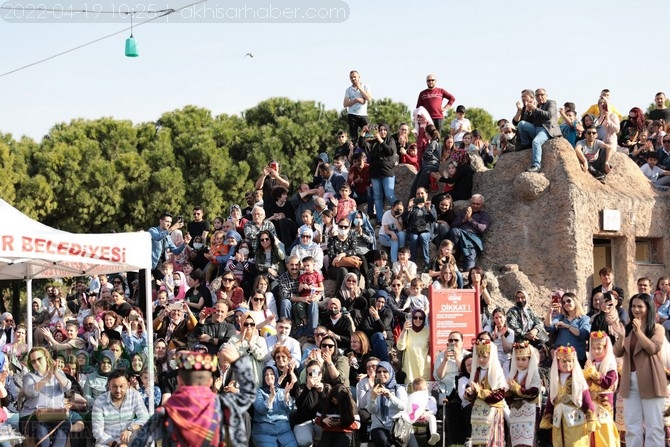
x: 568, y: 301
x: 396, y: 285
x: 343, y: 227
x: 37, y: 359
x: 249, y: 324
x: 265, y: 239
x: 320, y: 334
x: 418, y: 318
x: 8, y: 320
x: 305, y: 236
x: 327, y: 345
x: 453, y: 340
x: 258, y: 300
x: 591, y: 132
x: 373, y: 366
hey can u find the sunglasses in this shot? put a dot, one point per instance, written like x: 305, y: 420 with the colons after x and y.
x: 453, y: 340
x: 258, y: 300
x: 327, y: 345
x: 249, y: 324
x: 265, y: 239
x: 7, y: 320
x: 228, y: 279
x: 343, y: 227
x: 417, y: 318
x: 396, y: 285
x: 568, y: 301
x: 591, y: 133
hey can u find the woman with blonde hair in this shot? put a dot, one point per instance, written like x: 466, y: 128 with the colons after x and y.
x: 571, y: 324
x: 447, y: 278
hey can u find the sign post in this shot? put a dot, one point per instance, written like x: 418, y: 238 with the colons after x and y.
x: 452, y: 310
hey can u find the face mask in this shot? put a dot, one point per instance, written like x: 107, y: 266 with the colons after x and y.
x: 333, y: 311
x: 509, y: 136
x: 342, y: 232
x: 397, y: 212
x: 244, y: 251
x: 521, y: 304
x: 357, y: 222
x: 197, y: 245
x: 177, y: 283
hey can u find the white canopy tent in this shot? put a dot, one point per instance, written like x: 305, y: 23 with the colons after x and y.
x: 30, y: 250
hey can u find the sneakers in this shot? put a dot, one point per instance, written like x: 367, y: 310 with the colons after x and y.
x: 434, y: 439
x: 533, y: 169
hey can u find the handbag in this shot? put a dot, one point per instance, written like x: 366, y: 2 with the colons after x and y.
x: 348, y: 262
x: 401, y: 430
x: 52, y: 414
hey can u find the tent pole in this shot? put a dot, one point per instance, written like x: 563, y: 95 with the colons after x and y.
x: 29, y: 292
x: 149, y: 325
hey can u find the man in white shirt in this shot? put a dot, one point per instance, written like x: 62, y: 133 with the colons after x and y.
x: 356, y: 99
x: 283, y: 339
x: 594, y: 155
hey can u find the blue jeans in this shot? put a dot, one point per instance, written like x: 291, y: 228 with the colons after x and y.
x: 386, y: 241
x: 424, y: 240
x: 379, y: 347
x: 383, y: 187
x: 535, y: 136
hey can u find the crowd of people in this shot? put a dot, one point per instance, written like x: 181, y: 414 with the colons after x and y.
x: 310, y: 308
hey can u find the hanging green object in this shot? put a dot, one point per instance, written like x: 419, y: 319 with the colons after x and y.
x: 131, y: 47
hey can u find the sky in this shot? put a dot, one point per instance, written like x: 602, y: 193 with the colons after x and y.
x: 484, y: 52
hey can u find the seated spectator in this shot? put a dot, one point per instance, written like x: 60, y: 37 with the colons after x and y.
x: 345, y: 205
x: 198, y: 295
x: 430, y: 161
x: 269, y: 256
x: 220, y: 252
x: 594, y: 155
x: 357, y: 354
x: 283, y: 338
x: 308, y: 222
x: 349, y: 291
x: 376, y: 321
x: 571, y: 127
x: 419, y: 219
x: 445, y: 215
x: 214, y: 331
x: 410, y: 156
x: 457, y: 177
x: 537, y: 122
x: 281, y: 213
x: 289, y: 294
x: 380, y: 273
x: 227, y: 289
x: 631, y: 129
x: 659, y: 178
x: 307, y: 404
x: 256, y: 225
x: 391, y: 232
x: 334, y: 367
x: 306, y: 246
x: 363, y: 397
x: 359, y: 179
x: 330, y: 181
x: 264, y: 318
x: 446, y: 278
x: 249, y: 342
x: 442, y: 257
x: 173, y: 326
x: 386, y: 400
x: 404, y: 270
x: 338, y: 325
x: 468, y: 229
x: 72, y: 343
x: 96, y: 384
x: 342, y: 253
x: 524, y: 323
x: 286, y: 368
x: 639, y: 151
x: 119, y: 413
x: 338, y: 417
x: 44, y: 387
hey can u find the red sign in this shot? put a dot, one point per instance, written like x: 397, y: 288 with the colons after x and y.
x: 452, y: 310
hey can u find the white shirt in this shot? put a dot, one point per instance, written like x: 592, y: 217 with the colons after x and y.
x: 357, y: 108
x: 388, y: 219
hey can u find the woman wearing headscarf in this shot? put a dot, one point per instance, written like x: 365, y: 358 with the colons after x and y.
x: 414, y: 340
x: 96, y: 385
x: 180, y: 286
x: 248, y: 341
x: 387, y: 399
x: 421, y: 119
x: 307, y: 247
x: 271, y: 426
x: 381, y: 152
x: 44, y: 387
x: 349, y: 291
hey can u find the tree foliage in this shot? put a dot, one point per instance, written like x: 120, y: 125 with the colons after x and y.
x: 109, y: 175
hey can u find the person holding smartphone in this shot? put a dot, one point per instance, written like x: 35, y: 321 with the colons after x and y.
x: 419, y: 219
x: 310, y: 395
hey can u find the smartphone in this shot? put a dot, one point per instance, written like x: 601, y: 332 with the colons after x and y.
x: 274, y: 165
x: 208, y: 311
x: 373, y: 302
x: 555, y: 299
x: 418, y: 200
x: 408, y: 317
x: 384, y: 269
x: 450, y: 347
x: 378, y: 381
x: 133, y: 317
x: 180, y: 218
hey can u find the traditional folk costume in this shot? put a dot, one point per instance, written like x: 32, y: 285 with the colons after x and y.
x: 601, y: 376
x: 569, y: 412
x: 523, y: 396
x: 487, y: 419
